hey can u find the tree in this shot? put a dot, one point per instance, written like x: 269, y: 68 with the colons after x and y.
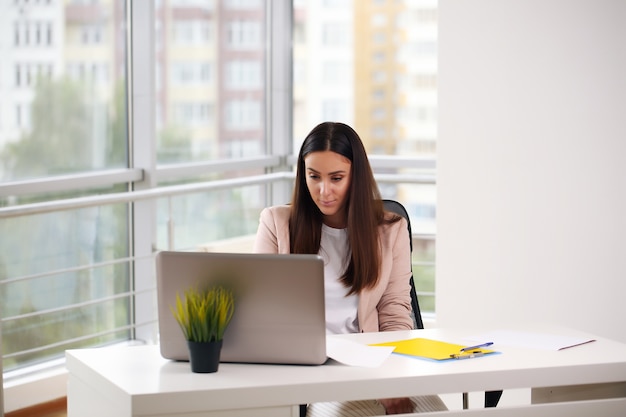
x: 56, y: 143
x: 72, y: 131
x: 174, y: 145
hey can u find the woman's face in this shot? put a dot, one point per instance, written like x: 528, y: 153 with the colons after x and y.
x: 328, y: 180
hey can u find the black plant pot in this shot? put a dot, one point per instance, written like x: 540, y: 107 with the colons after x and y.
x: 204, y: 356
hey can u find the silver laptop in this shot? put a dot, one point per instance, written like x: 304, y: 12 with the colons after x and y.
x: 279, y: 304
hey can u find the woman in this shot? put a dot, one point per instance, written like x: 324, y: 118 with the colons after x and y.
x: 337, y: 212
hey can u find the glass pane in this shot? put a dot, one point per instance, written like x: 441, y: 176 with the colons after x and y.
x: 424, y: 271
x: 216, y: 220
x: 390, y: 97
x: 62, y: 89
x: 372, y: 65
x: 420, y: 202
x: 210, y: 79
x: 63, y: 276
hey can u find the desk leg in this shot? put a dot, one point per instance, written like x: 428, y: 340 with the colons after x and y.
x: 578, y: 392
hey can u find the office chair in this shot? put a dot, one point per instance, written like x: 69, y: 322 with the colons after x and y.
x: 397, y: 208
x: 491, y: 397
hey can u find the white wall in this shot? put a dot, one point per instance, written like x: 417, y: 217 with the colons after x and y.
x: 531, y: 222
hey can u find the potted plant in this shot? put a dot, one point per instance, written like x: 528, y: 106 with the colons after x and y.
x: 203, y: 316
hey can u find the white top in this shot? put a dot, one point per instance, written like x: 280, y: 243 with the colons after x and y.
x: 341, y: 310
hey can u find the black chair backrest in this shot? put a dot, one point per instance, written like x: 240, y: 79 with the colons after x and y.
x: 397, y: 208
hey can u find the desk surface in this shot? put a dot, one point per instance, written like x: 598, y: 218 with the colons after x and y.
x: 139, y: 376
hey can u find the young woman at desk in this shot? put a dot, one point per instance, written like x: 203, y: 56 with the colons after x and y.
x: 337, y: 212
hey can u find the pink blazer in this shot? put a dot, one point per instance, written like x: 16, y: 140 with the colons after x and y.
x: 387, y: 306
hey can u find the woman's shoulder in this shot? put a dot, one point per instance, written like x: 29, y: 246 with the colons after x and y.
x: 391, y: 219
x: 279, y: 212
x: 279, y: 209
x: 393, y: 224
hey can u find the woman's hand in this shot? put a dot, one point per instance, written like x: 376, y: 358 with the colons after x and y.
x: 397, y: 405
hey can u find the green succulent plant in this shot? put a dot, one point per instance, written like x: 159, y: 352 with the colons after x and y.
x: 204, y: 315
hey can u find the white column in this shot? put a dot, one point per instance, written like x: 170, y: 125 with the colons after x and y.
x: 279, y: 91
x: 143, y: 155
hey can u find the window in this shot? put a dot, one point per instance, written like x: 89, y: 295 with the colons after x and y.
x: 379, y: 38
x: 244, y: 34
x: 213, y: 92
x: 82, y: 276
x: 26, y: 34
x: 18, y: 75
x: 193, y: 114
x: 191, y: 73
x: 379, y: 132
x: 335, y: 72
x: 244, y: 74
x: 49, y: 34
x: 241, y: 148
x: 378, y: 95
x: 379, y: 20
x: 243, y: 114
x: 243, y: 4
x: 378, y: 113
x: 379, y: 77
x: 91, y: 34
x: 37, y: 33
x: 334, y: 34
x: 191, y: 32
x: 335, y: 109
x: 64, y: 281
x: 389, y: 96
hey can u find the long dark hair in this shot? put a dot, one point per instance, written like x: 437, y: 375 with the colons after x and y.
x: 364, y: 206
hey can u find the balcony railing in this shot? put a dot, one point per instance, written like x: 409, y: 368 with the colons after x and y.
x: 142, y: 288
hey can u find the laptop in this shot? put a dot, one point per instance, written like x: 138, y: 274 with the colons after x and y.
x: 279, y: 304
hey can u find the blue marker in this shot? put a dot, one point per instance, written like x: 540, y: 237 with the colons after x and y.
x: 482, y: 345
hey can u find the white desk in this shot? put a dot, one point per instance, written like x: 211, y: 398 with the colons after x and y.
x: 136, y: 381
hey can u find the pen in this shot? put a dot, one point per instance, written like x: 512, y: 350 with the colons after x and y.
x: 482, y: 345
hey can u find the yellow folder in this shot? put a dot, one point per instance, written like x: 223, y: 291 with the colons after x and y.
x: 432, y: 349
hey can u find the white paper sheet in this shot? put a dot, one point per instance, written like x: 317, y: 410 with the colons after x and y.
x: 356, y: 354
x: 529, y: 340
